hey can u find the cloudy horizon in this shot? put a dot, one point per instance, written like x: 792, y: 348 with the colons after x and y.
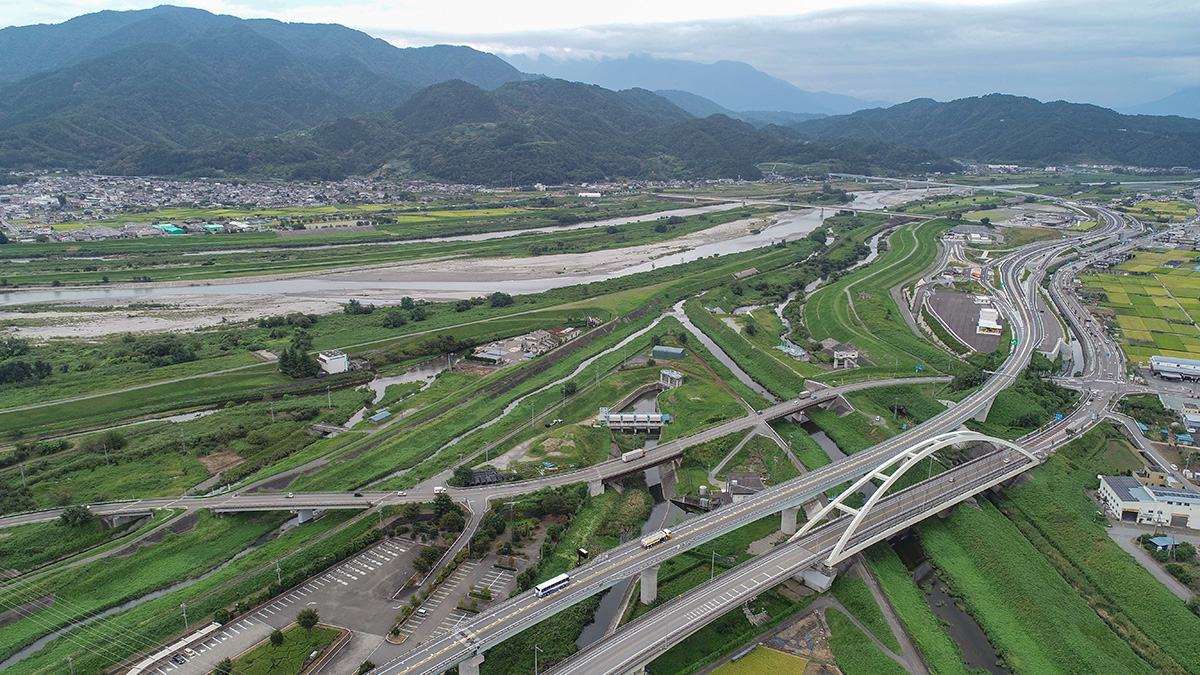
x: 1110, y: 53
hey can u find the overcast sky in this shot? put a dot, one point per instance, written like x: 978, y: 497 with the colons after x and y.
x: 1110, y: 52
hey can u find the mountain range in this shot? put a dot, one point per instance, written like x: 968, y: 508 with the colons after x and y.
x: 999, y: 128
x: 80, y: 92
x: 181, y: 91
x: 539, y: 131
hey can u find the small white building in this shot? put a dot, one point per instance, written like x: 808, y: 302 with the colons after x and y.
x: 989, y: 322
x: 1129, y: 500
x: 670, y: 379
x: 334, y: 361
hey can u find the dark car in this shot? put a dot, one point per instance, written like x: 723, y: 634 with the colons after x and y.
x: 357, y: 494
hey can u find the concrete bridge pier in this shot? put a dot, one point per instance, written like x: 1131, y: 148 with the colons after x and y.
x: 471, y: 665
x: 818, y: 579
x: 595, y: 487
x: 649, y: 579
x: 788, y: 524
x: 305, y: 515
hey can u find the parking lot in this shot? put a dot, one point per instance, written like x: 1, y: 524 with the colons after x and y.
x: 354, y: 594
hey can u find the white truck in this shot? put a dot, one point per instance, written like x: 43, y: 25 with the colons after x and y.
x: 633, y: 454
x: 656, y: 538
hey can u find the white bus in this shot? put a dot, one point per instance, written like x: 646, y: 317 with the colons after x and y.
x: 556, y: 584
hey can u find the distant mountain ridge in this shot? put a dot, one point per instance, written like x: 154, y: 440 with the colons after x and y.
x: 732, y: 84
x: 1184, y: 103
x: 1001, y: 128
x: 702, y: 107
x: 547, y: 131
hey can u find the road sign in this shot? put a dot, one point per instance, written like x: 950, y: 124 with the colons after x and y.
x: 1013, y: 342
x: 1058, y: 416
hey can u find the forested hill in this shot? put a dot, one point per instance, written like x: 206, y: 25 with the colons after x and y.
x: 78, y: 93
x: 547, y: 131
x: 1011, y: 129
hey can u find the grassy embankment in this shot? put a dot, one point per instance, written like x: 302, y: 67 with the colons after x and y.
x: 854, y: 652
x: 150, y: 624
x: 858, y: 309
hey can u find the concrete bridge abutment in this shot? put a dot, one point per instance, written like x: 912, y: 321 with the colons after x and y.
x: 595, y: 487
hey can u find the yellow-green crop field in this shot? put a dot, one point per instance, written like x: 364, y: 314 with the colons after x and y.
x: 764, y: 660
x: 1173, y: 211
x: 1155, y: 310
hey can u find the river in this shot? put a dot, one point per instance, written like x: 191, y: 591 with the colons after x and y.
x: 977, y: 650
x: 790, y: 226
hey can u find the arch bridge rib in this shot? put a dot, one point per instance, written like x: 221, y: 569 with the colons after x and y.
x: 908, y: 458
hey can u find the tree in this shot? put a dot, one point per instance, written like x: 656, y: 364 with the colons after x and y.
x: 554, y: 505
x: 463, y: 475
x: 411, y: 511
x: 76, y: 516
x: 569, y: 388
x: 426, y: 559
x: 443, y: 504
x: 224, y: 667
x: 366, y: 667
x: 277, y: 638
x: 452, y: 522
x: 307, y: 618
x: 222, y: 616
x: 499, y: 299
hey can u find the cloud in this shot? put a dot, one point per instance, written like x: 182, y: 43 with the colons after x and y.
x: 1107, y: 52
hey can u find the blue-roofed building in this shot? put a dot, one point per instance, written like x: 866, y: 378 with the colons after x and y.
x: 1143, y: 427
x: 1164, y: 543
x: 1185, y: 439
x: 380, y: 416
x: 1130, y: 501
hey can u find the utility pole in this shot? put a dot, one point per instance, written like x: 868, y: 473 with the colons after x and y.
x: 329, y: 397
x: 106, y: 454
x: 183, y: 606
x: 712, y: 570
x: 23, y: 475
x: 272, y: 412
x: 279, y: 574
x: 71, y: 662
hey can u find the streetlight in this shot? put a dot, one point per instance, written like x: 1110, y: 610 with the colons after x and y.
x: 536, y: 649
x: 712, y: 570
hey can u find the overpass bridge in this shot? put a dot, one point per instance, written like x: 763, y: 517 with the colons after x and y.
x: 809, y: 554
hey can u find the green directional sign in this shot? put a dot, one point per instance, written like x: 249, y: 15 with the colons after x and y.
x: 1013, y: 342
